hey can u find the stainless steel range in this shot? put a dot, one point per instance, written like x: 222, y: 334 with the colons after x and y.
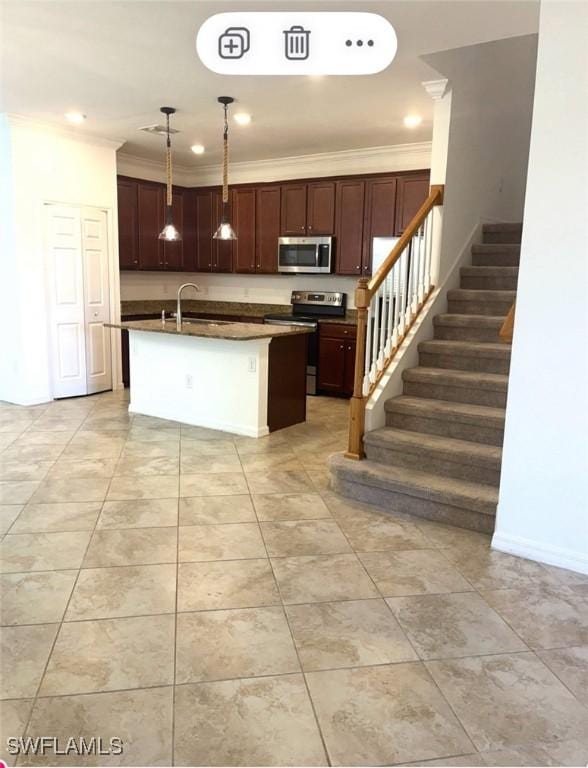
x: 308, y: 307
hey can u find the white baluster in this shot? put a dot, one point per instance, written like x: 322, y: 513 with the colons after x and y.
x: 414, y: 273
x: 396, y: 308
x: 429, y: 253
x: 422, y: 260
x: 404, y: 293
x: 389, y: 312
x: 368, y: 351
x: 382, y: 306
x: 376, y: 335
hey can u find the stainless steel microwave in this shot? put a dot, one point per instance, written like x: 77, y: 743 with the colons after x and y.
x: 311, y: 255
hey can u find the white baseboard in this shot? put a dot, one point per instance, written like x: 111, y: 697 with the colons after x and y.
x: 221, y: 426
x: 533, y: 550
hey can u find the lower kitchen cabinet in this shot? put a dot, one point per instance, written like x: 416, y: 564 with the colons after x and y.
x: 336, y: 359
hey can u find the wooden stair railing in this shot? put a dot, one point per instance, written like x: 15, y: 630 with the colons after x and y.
x: 387, y: 306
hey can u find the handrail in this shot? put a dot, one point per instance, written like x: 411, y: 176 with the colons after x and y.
x: 387, y: 306
x: 507, y: 329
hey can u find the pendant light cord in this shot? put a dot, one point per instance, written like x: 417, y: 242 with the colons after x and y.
x: 169, y: 166
x: 226, y: 160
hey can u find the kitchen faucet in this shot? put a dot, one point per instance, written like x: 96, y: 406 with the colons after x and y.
x: 179, y: 306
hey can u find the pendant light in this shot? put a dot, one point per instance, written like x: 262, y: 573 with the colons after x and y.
x: 169, y: 232
x: 225, y: 231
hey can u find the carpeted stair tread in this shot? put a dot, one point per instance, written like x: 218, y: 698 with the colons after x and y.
x: 466, y: 348
x: 434, y: 445
x: 465, y: 413
x: 457, y: 378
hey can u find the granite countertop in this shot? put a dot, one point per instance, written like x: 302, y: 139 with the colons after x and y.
x: 237, y: 308
x: 213, y: 329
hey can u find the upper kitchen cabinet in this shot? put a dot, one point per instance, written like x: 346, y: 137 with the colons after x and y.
x: 243, y: 221
x: 128, y: 242
x: 380, y: 215
x: 173, y: 252
x: 320, y: 208
x: 412, y: 192
x: 151, y: 216
x: 222, y: 250
x: 267, y: 228
x: 204, y: 242
x: 294, y: 209
x: 349, y: 218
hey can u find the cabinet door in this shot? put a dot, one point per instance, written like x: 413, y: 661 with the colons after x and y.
x: 222, y: 250
x: 331, y: 365
x: 173, y: 252
x: 189, y: 231
x: 203, y: 207
x: 151, y: 216
x: 412, y: 193
x: 244, y: 225
x: 380, y: 211
x: 267, y: 228
x: 350, y: 198
x: 320, y: 215
x: 294, y: 209
x: 349, y: 374
x: 128, y: 229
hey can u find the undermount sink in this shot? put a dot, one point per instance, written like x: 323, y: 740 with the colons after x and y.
x: 201, y: 321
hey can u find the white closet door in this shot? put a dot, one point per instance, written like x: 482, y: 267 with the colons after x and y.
x: 96, y: 300
x: 66, y: 299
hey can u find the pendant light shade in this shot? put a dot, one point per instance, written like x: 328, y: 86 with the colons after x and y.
x: 225, y: 231
x: 169, y: 232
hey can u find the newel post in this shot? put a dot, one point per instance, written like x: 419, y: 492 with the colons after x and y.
x: 357, y: 404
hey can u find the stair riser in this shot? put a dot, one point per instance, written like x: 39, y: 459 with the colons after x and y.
x: 470, y: 395
x: 509, y: 238
x: 457, y: 307
x: 489, y: 283
x: 464, y: 363
x: 435, y: 464
x: 459, y: 333
x: 499, y: 259
x: 400, y: 502
x: 477, y: 433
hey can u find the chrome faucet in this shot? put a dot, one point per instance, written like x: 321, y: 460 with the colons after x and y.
x: 179, y: 306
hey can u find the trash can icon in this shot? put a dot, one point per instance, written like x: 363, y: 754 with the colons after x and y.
x: 297, y: 44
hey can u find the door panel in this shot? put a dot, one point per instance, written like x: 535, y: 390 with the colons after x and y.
x: 96, y: 300
x: 173, y: 253
x: 204, y: 231
x: 380, y: 215
x: 349, y: 227
x: 293, y: 209
x: 151, y: 220
x: 412, y: 193
x: 267, y: 228
x: 222, y: 250
x: 321, y: 208
x: 331, y: 365
x: 244, y: 225
x: 128, y: 243
x: 66, y: 300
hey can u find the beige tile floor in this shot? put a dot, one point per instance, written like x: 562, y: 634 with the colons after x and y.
x: 208, y: 600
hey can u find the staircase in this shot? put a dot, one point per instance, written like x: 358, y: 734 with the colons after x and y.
x: 440, y: 452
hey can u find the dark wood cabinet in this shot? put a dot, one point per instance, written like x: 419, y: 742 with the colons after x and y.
x: 336, y: 359
x: 173, y: 252
x: 128, y: 229
x: 267, y: 228
x: 350, y: 197
x: 222, y: 250
x: 203, y: 210
x: 293, y: 209
x: 151, y: 220
x: 320, y: 209
x: 412, y: 193
x: 380, y: 215
x: 244, y: 252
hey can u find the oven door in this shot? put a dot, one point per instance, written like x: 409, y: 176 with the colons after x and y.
x: 304, y: 255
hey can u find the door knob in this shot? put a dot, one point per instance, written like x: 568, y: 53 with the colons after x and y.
x: 95, y: 314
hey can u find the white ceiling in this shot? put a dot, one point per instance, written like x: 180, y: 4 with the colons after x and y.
x: 118, y: 62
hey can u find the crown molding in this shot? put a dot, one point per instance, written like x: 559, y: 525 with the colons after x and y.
x: 436, y: 88
x: 396, y: 157
x: 39, y: 126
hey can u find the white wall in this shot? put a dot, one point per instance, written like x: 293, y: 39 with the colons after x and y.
x: 491, y: 104
x: 52, y: 166
x: 265, y: 289
x: 543, y: 508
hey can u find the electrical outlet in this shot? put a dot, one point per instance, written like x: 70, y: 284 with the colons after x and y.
x: 189, y: 381
x: 252, y: 367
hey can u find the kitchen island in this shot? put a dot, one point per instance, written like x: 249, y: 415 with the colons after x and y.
x: 243, y: 378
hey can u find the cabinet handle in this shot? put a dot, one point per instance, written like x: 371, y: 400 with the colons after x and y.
x: 302, y: 228
x: 349, y: 349
x: 358, y: 266
x: 342, y: 346
x: 309, y: 228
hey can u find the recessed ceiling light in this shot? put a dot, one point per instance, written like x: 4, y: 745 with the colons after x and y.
x: 242, y: 118
x: 411, y: 121
x: 197, y: 149
x: 75, y: 117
